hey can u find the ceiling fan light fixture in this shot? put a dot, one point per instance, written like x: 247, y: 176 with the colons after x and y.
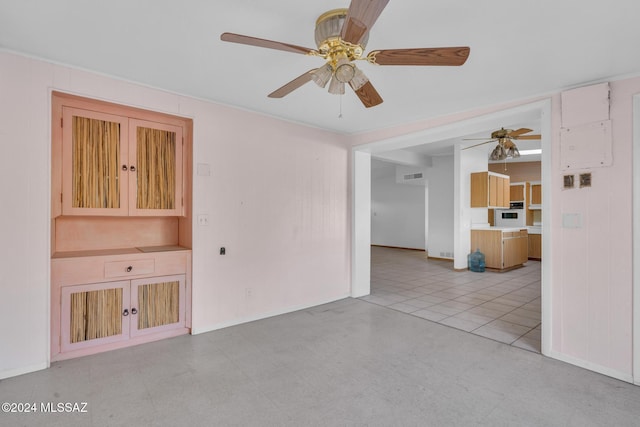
x: 336, y: 87
x: 345, y: 70
x: 322, y: 75
x: 358, y: 80
x: 513, y: 152
x: 498, y: 153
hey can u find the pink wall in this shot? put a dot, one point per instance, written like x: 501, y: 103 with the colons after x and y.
x: 277, y: 199
x: 592, y: 265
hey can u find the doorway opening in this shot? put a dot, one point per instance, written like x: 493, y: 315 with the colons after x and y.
x: 363, y: 282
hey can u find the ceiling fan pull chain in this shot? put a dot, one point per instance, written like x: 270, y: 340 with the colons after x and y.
x: 340, y: 114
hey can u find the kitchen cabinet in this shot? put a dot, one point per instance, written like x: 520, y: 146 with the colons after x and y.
x: 117, y: 165
x: 106, y: 301
x: 516, y: 192
x: 504, y: 249
x: 535, y: 246
x: 489, y: 190
x: 535, y: 195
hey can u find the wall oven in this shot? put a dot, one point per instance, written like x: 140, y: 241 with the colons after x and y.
x: 510, y: 218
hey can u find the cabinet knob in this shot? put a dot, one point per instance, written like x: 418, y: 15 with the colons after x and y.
x: 132, y: 168
x: 129, y: 269
x: 134, y: 310
x: 125, y: 312
x: 124, y: 167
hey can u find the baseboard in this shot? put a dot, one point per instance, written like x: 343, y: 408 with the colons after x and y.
x: 399, y: 247
x: 196, y: 331
x: 441, y: 259
x: 613, y: 373
x: 24, y: 370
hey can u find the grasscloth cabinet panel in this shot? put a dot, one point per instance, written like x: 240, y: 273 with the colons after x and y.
x: 93, y: 155
x: 103, y: 313
x: 116, y: 165
x: 157, y: 189
x: 93, y: 315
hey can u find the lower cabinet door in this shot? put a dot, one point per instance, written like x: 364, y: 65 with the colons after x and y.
x: 157, y: 304
x: 94, y: 314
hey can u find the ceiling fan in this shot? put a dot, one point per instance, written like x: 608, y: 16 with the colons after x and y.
x: 341, y: 36
x: 506, y: 147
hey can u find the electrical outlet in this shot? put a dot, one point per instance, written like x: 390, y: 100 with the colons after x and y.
x: 248, y: 292
x: 203, y: 220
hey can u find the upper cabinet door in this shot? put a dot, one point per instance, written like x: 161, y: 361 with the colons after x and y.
x: 94, y: 159
x: 115, y: 165
x: 155, y: 169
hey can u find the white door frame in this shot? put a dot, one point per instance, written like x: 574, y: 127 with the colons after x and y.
x: 636, y: 239
x: 361, y: 185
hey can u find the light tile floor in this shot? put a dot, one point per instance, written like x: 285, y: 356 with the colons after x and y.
x: 504, y: 307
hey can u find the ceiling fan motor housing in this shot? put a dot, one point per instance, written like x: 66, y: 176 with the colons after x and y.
x: 332, y: 47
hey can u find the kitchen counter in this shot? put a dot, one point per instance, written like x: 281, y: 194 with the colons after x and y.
x: 488, y: 227
x: 534, y: 230
x: 504, y: 248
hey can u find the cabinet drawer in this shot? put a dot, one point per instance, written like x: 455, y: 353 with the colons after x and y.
x: 128, y: 268
x: 510, y: 234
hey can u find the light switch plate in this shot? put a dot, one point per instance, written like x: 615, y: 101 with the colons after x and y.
x: 203, y: 220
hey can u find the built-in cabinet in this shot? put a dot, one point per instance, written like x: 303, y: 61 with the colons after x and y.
x: 489, y: 189
x: 121, y: 226
x: 503, y: 249
x: 117, y: 298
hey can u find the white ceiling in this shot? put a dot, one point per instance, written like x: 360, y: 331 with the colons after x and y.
x: 518, y: 50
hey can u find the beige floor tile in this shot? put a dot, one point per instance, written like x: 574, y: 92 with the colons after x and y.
x: 501, y: 306
x: 456, y: 322
x: 520, y: 320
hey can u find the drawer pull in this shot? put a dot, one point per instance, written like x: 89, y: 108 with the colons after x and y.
x: 134, y: 310
x: 129, y: 269
x: 125, y: 312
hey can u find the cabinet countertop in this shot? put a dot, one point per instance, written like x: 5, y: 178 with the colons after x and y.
x: 121, y: 251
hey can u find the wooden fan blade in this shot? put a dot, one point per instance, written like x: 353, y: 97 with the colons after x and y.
x: 360, y: 18
x: 292, y: 85
x: 519, y: 132
x: 369, y: 95
x: 452, y: 56
x: 482, y: 143
x: 270, y: 44
x: 528, y: 137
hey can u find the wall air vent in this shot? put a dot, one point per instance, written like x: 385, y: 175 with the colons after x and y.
x: 413, y: 176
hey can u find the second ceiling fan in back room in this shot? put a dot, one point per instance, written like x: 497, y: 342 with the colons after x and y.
x: 505, y: 148
x: 341, y: 36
